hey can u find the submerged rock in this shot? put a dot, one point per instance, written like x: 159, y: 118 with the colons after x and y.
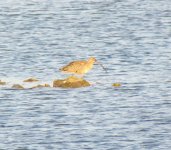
x: 31, y: 80
x: 2, y: 83
x: 116, y: 84
x: 71, y: 82
x: 40, y: 86
x: 17, y: 86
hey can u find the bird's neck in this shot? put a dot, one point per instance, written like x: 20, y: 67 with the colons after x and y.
x: 90, y: 63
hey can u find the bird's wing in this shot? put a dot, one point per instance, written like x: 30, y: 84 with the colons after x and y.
x: 73, y: 65
x: 77, y: 63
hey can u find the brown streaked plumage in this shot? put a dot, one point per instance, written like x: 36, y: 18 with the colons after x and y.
x: 79, y: 67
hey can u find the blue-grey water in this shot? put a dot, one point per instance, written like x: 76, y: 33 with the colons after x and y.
x: 131, y: 38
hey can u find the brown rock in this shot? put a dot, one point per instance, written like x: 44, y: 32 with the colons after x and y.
x: 71, y: 82
x: 2, y: 83
x: 116, y: 84
x: 40, y: 86
x: 31, y: 80
x: 17, y: 86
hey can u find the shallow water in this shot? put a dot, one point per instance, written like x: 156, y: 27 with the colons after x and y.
x: 131, y: 38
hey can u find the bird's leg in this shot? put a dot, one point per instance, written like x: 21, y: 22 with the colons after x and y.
x: 81, y: 76
x: 73, y: 75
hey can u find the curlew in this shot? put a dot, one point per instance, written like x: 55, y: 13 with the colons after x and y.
x: 79, y: 67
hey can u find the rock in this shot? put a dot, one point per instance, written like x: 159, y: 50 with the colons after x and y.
x: 17, y: 86
x: 31, y: 80
x: 71, y: 82
x: 116, y: 84
x: 2, y: 83
x: 40, y: 86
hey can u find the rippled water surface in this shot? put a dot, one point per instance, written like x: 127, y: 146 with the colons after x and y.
x: 131, y: 38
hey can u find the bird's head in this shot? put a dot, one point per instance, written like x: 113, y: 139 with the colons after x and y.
x: 92, y: 60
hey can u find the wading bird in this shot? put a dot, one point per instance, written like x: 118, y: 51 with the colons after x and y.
x: 79, y: 67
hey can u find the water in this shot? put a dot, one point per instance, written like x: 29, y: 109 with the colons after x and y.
x: 131, y: 38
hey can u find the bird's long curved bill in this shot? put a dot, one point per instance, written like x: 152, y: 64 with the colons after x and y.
x: 102, y: 66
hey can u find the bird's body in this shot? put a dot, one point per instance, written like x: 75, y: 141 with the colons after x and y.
x: 79, y: 67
